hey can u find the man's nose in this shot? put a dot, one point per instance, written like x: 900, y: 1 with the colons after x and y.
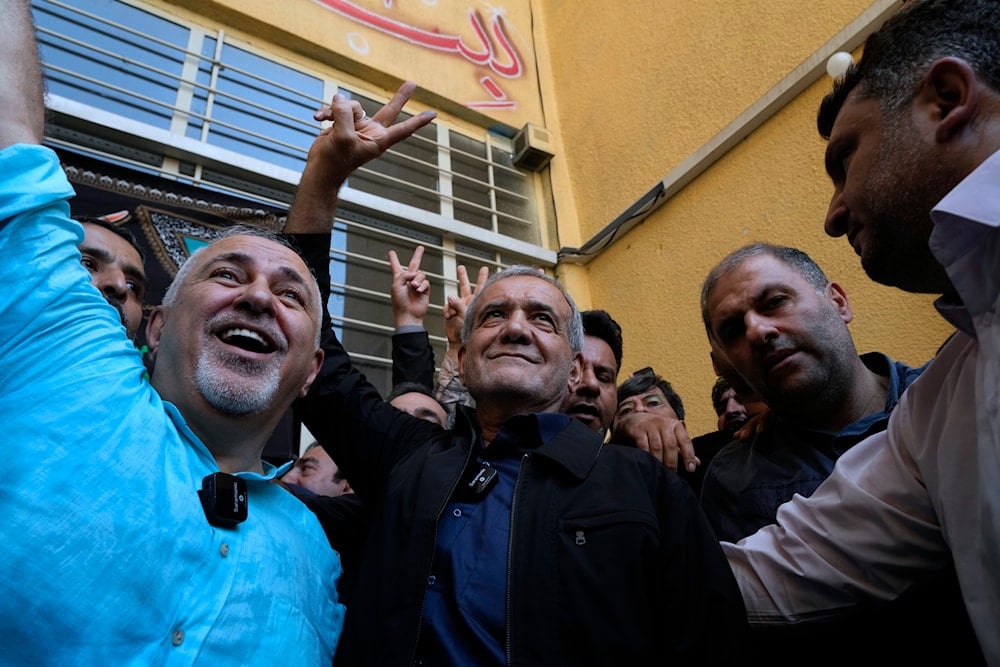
x: 515, y: 329
x: 588, y: 383
x: 257, y: 296
x: 760, y: 329
x: 734, y: 407
x: 837, y: 215
x: 113, y: 284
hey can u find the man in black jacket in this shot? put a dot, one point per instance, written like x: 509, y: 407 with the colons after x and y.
x: 516, y: 537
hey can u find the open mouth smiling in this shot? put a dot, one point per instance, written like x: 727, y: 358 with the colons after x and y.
x: 246, y: 339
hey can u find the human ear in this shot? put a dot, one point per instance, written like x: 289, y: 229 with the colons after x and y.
x: 717, y: 364
x: 317, y: 364
x: 576, y: 372
x: 154, y: 327
x: 840, y: 301
x: 461, y: 363
x: 947, y: 97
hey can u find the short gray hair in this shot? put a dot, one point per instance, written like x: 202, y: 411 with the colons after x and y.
x: 575, y: 326
x: 794, y: 258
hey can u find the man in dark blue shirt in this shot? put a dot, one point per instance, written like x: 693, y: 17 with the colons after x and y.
x: 772, y: 313
x: 517, y: 536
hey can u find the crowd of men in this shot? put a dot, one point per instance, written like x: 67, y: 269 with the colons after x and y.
x: 521, y: 506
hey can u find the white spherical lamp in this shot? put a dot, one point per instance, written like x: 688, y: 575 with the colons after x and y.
x: 838, y: 63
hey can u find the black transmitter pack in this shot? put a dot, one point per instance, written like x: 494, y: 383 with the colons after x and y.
x: 224, y: 499
x: 477, y: 481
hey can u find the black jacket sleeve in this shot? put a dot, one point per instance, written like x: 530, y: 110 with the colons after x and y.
x: 413, y: 359
x: 361, y: 432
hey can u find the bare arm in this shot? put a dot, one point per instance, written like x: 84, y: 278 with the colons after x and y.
x: 352, y: 140
x: 21, y: 91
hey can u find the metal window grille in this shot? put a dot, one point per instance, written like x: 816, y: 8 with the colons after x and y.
x: 137, y: 88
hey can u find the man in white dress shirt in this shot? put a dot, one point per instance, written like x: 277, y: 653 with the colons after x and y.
x: 914, y: 135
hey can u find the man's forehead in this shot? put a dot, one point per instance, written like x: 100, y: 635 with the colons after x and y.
x: 525, y: 288
x: 412, y: 398
x: 256, y: 247
x: 317, y: 454
x: 597, y: 352
x: 419, y: 404
x: 99, y: 237
x: 752, y: 279
x: 256, y: 251
x: 658, y: 393
x: 724, y: 398
x: 753, y: 272
x: 653, y: 391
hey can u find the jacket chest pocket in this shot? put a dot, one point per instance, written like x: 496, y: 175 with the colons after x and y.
x: 606, y: 575
x: 607, y: 533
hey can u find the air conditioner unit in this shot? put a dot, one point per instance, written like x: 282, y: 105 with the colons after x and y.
x: 532, y: 147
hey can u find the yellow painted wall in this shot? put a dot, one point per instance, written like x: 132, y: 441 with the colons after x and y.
x: 639, y: 87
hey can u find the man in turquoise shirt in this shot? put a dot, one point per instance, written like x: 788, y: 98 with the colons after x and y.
x: 111, y: 556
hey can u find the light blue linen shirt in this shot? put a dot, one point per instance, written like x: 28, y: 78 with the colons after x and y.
x: 108, y: 556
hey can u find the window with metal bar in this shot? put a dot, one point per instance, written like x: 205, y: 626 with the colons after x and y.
x: 144, y: 90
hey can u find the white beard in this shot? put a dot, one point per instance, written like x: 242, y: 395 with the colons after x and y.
x: 251, y: 393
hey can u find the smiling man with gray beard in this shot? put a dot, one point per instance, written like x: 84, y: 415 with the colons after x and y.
x: 239, y: 380
x: 237, y: 400
x: 143, y: 522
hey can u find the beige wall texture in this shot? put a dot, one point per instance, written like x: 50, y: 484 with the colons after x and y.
x: 629, y: 90
x: 637, y: 87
